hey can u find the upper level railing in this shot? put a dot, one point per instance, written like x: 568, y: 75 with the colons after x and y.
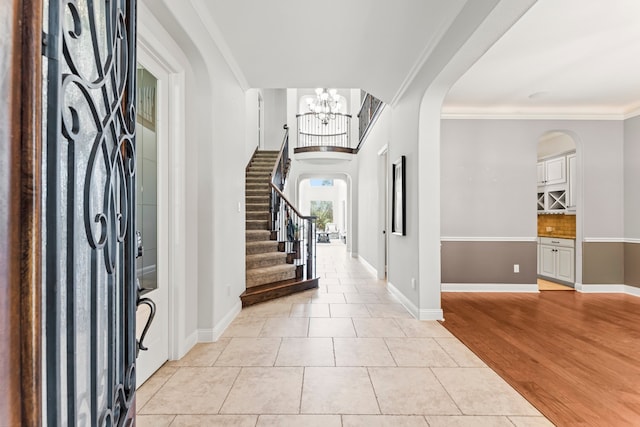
x: 312, y: 132
x: 370, y: 109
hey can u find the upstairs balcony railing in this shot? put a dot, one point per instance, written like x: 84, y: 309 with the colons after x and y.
x: 314, y: 135
x: 370, y: 109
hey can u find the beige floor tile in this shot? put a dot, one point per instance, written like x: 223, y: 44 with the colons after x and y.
x: 362, y: 352
x: 306, y: 352
x: 419, y: 352
x: 372, y: 289
x: 468, y: 421
x: 361, y: 298
x: 389, y: 310
x: 286, y: 327
x: 299, y: 421
x: 480, y: 391
x: 377, y: 328
x: 202, y: 354
x: 531, y: 422
x: 423, y: 328
x: 411, y: 391
x: 192, y: 391
x: 328, y: 299
x: 332, y: 327
x: 215, y: 420
x: 383, y: 421
x: 309, y: 310
x: 249, y: 352
x: 338, y: 391
x: 154, y: 420
x: 265, y: 391
x: 349, y: 310
x: 339, y: 289
x: 346, y: 280
x: 153, y: 384
x: 244, y: 327
x: 299, y: 298
x: 267, y: 309
x: 460, y: 353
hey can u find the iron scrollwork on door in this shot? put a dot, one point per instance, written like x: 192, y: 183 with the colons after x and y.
x: 90, y: 167
x: 143, y: 301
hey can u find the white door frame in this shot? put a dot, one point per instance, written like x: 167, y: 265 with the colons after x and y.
x: 383, y: 209
x: 161, y: 62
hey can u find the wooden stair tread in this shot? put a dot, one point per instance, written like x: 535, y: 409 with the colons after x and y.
x: 262, y: 293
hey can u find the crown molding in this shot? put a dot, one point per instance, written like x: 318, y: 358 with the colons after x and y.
x: 531, y: 116
x: 215, y: 33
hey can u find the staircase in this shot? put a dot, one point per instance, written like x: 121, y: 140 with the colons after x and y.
x: 270, y: 271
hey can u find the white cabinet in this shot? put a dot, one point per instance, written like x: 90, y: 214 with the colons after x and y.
x: 556, y: 258
x: 552, y: 171
x: 571, y: 182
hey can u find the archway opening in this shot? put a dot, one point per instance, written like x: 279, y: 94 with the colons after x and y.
x: 557, y: 209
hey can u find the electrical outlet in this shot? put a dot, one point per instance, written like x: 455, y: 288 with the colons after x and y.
x: 239, y: 207
x: 549, y: 228
x: 516, y: 268
x: 413, y: 283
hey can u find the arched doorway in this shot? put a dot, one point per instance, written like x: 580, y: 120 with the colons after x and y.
x: 557, y: 209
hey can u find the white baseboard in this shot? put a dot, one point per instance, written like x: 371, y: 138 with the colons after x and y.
x: 368, y: 266
x: 145, y: 270
x: 188, y: 344
x: 420, y: 314
x: 213, y: 335
x: 608, y: 289
x: 490, y: 287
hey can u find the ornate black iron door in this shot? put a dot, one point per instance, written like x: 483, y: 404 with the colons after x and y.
x: 90, y: 292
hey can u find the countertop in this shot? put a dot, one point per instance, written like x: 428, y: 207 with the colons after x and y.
x: 554, y: 235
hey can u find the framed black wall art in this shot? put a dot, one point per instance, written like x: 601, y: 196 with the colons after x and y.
x: 398, y: 197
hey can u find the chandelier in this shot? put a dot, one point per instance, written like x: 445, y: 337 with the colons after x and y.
x: 326, y: 105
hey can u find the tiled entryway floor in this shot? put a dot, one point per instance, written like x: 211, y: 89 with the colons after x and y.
x: 347, y: 354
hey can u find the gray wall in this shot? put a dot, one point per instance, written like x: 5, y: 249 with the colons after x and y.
x: 632, y: 201
x: 488, y: 173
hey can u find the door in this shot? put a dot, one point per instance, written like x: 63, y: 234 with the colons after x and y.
x: 89, y: 240
x: 151, y: 199
x: 565, y: 264
x: 548, y: 261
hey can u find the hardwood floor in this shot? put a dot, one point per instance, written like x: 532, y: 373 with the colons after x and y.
x: 574, y: 356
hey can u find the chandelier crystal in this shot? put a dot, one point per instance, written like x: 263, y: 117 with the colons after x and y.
x: 326, y: 105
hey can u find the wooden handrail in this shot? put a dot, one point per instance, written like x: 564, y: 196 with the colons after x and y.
x: 282, y: 147
x: 281, y: 194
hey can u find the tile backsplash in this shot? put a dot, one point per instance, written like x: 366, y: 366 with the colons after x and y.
x: 557, y: 226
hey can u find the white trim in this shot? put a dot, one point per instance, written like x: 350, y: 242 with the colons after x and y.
x: 632, y: 240
x: 431, y: 314
x: 608, y: 289
x: 411, y: 308
x: 368, y: 266
x: 216, y: 35
x: 383, y: 150
x: 487, y: 239
x: 213, y: 335
x: 420, y: 314
x: 603, y: 240
x: 529, y: 116
x: 187, y: 345
x: 224, y: 323
x: 631, y: 114
x: 490, y: 287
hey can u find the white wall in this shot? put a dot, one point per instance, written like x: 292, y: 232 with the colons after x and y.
x: 632, y: 178
x: 489, y: 176
x: 370, y: 180
x: 275, y: 116
x: 251, y: 121
x: 216, y: 155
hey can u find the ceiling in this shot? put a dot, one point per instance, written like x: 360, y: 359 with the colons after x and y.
x: 562, y: 58
x: 375, y: 45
